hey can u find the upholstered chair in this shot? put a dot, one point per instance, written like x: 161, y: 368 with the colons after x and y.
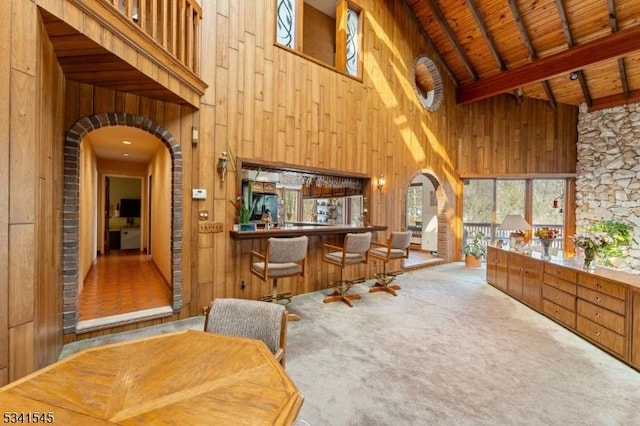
x: 250, y: 318
x: 283, y: 257
x: 396, y: 247
x: 355, y: 250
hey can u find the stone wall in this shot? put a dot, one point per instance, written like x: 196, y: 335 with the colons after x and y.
x: 608, y: 172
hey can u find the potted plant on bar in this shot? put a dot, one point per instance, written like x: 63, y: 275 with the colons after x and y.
x: 245, y: 205
x: 474, y: 250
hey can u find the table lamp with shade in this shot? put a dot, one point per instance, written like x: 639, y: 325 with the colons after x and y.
x: 516, y: 224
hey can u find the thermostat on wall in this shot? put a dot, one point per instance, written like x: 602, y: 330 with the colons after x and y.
x: 199, y: 194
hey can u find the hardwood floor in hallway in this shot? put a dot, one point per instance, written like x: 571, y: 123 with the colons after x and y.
x: 122, y: 282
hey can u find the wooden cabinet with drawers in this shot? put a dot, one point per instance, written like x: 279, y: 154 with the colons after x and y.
x: 497, y: 267
x: 635, y: 328
x: 559, y: 291
x: 603, y: 306
x: 524, y: 279
x: 602, y: 312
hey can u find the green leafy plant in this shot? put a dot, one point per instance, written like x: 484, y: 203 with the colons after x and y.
x: 475, y: 247
x: 619, y: 233
x: 246, y: 206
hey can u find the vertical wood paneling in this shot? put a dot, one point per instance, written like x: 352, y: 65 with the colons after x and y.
x: 50, y: 128
x: 284, y: 108
x: 22, y: 266
x: 500, y: 136
x: 5, y: 89
x: 266, y: 103
x: 21, y: 351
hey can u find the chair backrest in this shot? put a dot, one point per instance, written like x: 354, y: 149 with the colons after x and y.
x: 249, y: 318
x: 285, y: 250
x: 357, y: 243
x: 400, y: 240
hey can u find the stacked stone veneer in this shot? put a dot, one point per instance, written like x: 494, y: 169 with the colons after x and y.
x: 608, y: 172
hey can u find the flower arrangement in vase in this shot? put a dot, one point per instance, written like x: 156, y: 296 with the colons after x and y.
x: 546, y: 236
x: 592, y: 243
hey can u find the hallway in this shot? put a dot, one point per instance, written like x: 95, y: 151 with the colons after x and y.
x: 121, y: 282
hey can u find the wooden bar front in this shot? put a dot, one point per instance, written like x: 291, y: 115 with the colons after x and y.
x: 318, y: 274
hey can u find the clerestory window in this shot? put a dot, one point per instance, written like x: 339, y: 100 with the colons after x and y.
x: 326, y: 31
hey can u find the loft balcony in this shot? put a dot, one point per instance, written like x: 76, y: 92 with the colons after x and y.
x: 147, y: 47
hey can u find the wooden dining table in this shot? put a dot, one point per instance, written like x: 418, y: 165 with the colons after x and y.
x: 182, y: 378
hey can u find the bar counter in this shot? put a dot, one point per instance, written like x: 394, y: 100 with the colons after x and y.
x: 318, y: 274
x: 299, y: 229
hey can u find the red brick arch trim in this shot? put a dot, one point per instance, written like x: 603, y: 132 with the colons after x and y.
x: 443, y: 222
x: 71, y: 208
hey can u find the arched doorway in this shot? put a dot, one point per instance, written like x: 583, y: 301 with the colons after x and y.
x: 425, y: 204
x: 71, y: 216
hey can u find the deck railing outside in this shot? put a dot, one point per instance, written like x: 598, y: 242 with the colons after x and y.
x: 174, y: 24
x: 491, y: 233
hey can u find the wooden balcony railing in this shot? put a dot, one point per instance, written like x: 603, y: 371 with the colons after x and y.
x: 173, y: 24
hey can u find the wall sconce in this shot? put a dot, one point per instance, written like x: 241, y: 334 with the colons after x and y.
x: 381, y: 182
x: 223, y: 165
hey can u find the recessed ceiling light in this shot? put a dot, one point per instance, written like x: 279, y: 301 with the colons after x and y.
x: 126, y: 142
x: 124, y: 154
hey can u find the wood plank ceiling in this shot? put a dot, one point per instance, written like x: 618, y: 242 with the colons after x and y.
x: 561, y: 51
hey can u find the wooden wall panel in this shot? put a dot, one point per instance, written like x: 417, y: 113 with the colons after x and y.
x: 5, y: 90
x: 49, y: 130
x: 319, y: 35
x: 273, y: 105
x: 499, y: 136
x: 265, y: 103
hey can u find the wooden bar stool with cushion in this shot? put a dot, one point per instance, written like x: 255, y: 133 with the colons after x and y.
x: 396, y: 247
x: 283, y: 257
x: 354, y: 250
x: 250, y: 318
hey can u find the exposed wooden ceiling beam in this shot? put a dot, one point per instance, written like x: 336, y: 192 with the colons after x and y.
x: 430, y: 43
x: 607, y: 48
x: 437, y: 13
x: 585, y: 88
x: 615, y: 100
x: 613, y: 21
x: 524, y: 34
x: 569, y: 38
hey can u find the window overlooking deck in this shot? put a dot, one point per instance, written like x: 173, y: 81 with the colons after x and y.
x: 486, y: 202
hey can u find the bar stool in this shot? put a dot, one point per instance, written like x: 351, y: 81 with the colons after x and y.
x: 396, y: 247
x: 283, y: 257
x: 355, y: 250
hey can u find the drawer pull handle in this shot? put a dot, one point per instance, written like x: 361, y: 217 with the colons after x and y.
x: 597, y: 314
x: 598, y: 299
x: 597, y: 333
x: 598, y: 285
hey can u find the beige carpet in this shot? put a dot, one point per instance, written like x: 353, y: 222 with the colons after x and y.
x: 448, y: 350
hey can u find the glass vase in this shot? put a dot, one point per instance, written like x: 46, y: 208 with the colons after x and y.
x: 545, y: 249
x: 589, y: 260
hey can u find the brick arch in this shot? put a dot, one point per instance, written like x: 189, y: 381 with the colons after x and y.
x: 71, y: 208
x: 442, y: 200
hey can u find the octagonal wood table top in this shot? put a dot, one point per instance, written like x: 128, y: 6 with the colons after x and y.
x: 186, y: 377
